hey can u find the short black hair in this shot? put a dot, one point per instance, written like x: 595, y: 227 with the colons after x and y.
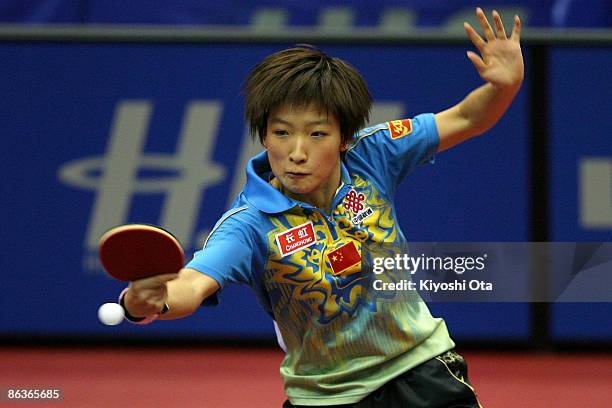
x: 305, y: 75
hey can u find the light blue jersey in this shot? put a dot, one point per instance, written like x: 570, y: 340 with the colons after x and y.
x: 342, y: 339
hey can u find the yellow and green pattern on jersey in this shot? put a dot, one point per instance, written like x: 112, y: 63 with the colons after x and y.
x: 343, y: 332
x: 309, y: 269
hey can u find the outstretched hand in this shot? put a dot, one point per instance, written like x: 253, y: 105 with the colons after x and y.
x: 500, y: 61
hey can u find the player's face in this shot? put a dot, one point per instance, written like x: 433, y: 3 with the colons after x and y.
x: 304, y: 148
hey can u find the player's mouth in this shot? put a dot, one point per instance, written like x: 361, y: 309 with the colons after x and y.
x: 296, y: 175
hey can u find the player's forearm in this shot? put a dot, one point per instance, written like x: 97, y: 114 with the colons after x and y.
x: 186, y: 294
x: 484, y: 106
x: 183, y: 295
x: 183, y: 300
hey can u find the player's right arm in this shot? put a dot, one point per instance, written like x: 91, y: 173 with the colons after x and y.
x: 229, y: 255
x: 184, y: 292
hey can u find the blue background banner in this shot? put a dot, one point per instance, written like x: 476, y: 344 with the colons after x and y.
x: 98, y: 134
x: 581, y: 172
x: 330, y: 13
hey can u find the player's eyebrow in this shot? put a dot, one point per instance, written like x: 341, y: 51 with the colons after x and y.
x: 277, y: 120
x: 319, y: 122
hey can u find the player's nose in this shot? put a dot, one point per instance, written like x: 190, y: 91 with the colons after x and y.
x: 299, y: 151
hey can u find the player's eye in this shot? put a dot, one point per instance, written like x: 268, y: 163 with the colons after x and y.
x: 319, y: 134
x: 280, y: 132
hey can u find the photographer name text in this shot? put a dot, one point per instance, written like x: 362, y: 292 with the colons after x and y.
x: 435, y: 287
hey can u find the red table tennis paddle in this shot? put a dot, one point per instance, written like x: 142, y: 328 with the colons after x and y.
x: 136, y: 251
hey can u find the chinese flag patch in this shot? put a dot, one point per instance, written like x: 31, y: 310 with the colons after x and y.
x: 400, y: 128
x: 344, y: 257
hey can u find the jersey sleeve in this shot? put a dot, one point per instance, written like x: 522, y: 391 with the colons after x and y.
x: 228, y: 256
x: 386, y: 153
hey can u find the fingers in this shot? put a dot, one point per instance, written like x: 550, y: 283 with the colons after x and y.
x: 474, y: 37
x: 165, y: 277
x: 516, y: 31
x: 500, y: 31
x: 477, y: 61
x: 156, y: 282
x: 499, y: 26
x: 145, y: 297
x: 484, y: 24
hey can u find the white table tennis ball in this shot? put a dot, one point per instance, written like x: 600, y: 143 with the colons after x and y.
x: 111, y: 314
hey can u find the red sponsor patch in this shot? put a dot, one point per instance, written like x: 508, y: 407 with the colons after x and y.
x: 353, y: 201
x: 400, y: 128
x: 296, y: 238
x: 344, y: 257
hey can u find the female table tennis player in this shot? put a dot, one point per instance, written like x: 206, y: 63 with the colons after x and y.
x: 321, y: 192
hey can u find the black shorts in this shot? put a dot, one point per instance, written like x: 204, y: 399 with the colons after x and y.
x: 441, y: 382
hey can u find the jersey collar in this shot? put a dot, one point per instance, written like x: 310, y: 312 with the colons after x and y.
x: 268, y: 199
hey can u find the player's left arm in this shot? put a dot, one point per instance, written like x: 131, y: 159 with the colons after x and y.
x: 500, y: 64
